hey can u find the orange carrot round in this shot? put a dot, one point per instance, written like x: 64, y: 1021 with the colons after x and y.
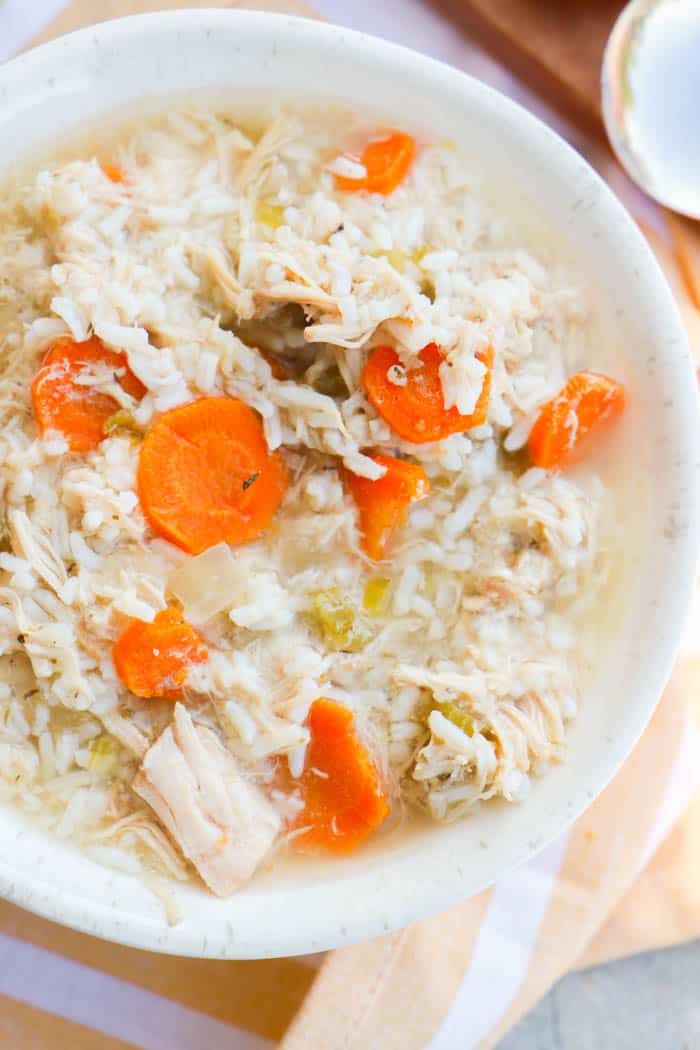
x: 415, y: 408
x: 386, y: 162
x: 344, y: 799
x: 78, y: 412
x: 205, y: 475
x: 585, y: 402
x: 115, y: 174
x: 153, y: 659
x: 382, y: 504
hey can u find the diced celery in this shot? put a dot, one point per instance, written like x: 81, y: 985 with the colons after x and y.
x: 398, y: 259
x: 269, y: 214
x: 103, y: 755
x: 376, y: 593
x: 123, y: 424
x: 457, y: 715
x: 463, y: 720
x: 341, y: 624
x: 395, y: 256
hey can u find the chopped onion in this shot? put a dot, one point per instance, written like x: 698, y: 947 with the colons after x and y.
x: 206, y: 584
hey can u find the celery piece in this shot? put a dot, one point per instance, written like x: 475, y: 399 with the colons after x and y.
x: 103, y: 754
x: 269, y: 214
x: 123, y: 424
x: 376, y: 594
x: 457, y: 715
x: 397, y: 258
x: 340, y: 623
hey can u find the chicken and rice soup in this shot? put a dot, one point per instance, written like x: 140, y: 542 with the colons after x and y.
x: 294, y: 542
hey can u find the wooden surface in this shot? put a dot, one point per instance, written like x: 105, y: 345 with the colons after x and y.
x: 88, y: 12
x: 555, y: 46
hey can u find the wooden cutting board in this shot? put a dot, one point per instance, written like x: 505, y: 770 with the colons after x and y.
x: 555, y: 46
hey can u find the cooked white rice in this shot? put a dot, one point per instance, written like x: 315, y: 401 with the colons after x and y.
x: 221, y: 244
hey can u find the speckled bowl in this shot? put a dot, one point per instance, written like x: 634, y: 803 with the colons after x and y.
x: 49, y: 93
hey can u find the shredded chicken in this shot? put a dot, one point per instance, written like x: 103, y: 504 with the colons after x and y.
x: 162, y: 890
x: 223, y: 824
x: 29, y: 542
x: 276, y: 135
x: 53, y: 651
x: 151, y: 837
x: 235, y: 295
x: 126, y: 733
x: 508, y: 735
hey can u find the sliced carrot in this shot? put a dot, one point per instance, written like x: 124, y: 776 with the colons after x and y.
x: 116, y: 174
x: 586, y: 401
x: 414, y: 407
x: 344, y: 799
x: 79, y: 412
x: 206, y: 475
x: 386, y: 162
x: 153, y: 659
x: 382, y: 504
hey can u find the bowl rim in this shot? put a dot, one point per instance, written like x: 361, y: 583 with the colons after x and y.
x: 384, y: 911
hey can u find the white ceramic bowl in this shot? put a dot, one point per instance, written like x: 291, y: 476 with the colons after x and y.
x: 48, y: 93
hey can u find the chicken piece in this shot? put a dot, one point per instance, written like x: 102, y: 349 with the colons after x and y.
x: 31, y: 543
x: 128, y: 735
x: 222, y: 823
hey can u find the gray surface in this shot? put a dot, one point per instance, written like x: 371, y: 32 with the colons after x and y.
x: 649, y: 1002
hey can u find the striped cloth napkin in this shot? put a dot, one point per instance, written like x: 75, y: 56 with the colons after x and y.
x: 621, y: 880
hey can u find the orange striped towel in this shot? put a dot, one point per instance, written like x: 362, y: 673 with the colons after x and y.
x: 623, y: 879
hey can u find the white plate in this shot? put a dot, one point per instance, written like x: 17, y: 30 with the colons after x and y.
x: 48, y: 93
